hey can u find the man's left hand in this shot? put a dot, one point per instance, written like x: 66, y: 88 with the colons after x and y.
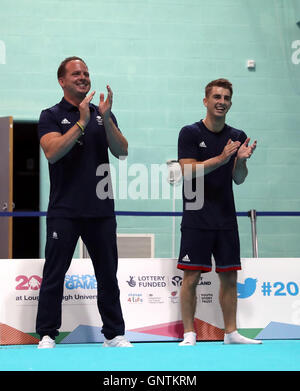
x: 245, y: 151
x: 105, y: 105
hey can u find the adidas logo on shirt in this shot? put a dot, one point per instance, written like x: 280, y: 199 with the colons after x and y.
x: 202, y: 144
x: 65, y: 121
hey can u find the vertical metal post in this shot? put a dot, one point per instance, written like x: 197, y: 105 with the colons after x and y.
x: 252, y: 215
x: 174, y: 178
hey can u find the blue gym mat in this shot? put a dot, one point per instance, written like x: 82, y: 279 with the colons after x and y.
x: 272, y: 355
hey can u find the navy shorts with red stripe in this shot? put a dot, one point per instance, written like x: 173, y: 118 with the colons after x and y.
x: 197, y: 248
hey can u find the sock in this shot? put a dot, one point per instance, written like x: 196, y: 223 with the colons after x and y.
x: 236, y: 338
x: 189, y: 339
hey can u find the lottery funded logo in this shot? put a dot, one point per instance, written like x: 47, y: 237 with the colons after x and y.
x: 147, y: 281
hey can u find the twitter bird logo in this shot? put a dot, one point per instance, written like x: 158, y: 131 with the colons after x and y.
x: 247, y: 289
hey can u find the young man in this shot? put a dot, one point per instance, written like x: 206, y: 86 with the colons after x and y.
x: 75, y: 136
x: 212, y: 230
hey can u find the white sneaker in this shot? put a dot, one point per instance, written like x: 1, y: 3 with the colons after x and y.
x: 118, y: 342
x: 189, y: 339
x: 236, y: 338
x: 46, y: 343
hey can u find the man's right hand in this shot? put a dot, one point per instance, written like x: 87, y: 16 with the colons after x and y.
x: 230, y: 149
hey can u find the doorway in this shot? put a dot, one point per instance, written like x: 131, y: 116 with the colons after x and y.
x: 26, y: 189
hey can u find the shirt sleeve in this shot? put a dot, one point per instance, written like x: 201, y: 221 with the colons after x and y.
x: 47, y: 123
x: 187, y: 144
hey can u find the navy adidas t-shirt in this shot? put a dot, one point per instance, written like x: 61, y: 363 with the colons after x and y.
x: 218, y: 212
x: 73, y: 179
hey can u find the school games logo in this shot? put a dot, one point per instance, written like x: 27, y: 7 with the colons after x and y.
x: 74, y: 284
x: 28, y: 283
x: 85, y: 281
x: 76, y: 281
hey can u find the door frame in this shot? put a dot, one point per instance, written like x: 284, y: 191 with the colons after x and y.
x: 9, y: 248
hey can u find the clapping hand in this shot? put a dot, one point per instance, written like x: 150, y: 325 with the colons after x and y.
x: 105, y: 105
x: 245, y: 151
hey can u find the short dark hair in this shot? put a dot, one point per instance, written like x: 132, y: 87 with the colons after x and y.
x: 62, y: 68
x: 218, y: 83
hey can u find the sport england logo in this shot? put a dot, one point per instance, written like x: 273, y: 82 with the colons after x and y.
x: 176, y: 281
x: 247, y: 288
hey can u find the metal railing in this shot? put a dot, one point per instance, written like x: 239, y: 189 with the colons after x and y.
x: 252, y: 214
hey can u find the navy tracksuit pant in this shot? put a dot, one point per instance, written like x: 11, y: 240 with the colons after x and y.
x: 99, y: 236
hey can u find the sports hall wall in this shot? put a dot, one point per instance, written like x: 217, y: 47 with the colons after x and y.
x: 158, y: 55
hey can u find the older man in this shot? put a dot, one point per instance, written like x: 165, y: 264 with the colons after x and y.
x: 75, y: 136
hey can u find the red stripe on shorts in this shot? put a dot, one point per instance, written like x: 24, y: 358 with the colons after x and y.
x: 187, y: 267
x: 228, y: 269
